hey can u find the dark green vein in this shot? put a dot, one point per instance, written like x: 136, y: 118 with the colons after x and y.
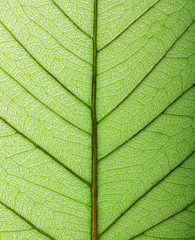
x: 68, y: 90
x: 145, y: 193
x: 156, y: 64
x: 128, y: 26
x: 173, y: 215
x: 27, y: 221
x: 45, y: 104
x: 62, y: 11
x: 135, y: 134
x: 94, y: 235
x: 46, y: 152
x: 61, y: 44
x: 54, y: 37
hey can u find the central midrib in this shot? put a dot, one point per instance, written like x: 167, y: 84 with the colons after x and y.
x: 94, y: 235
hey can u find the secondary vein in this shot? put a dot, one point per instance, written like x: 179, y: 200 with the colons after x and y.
x: 145, y: 193
x: 27, y: 221
x: 135, y: 134
x: 124, y: 30
x: 68, y: 90
x: 62, y: 11
x: 61, y: 117
x: 149, y: 72
x: 174, y: 214
x: 46, y: 152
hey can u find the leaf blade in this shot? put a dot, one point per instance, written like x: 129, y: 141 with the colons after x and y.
x: 50, y: 180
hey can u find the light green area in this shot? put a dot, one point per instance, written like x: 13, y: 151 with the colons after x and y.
x: 116, y: 15
x: 81, y: 12
x: 138, y: 50
x: 145, y: 106
x: 54, y: 47
x: 13, y: 228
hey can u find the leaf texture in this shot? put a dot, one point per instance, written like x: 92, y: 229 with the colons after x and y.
x: 97, y: 119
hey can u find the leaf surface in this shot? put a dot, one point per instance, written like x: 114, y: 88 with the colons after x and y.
x: 97, y: 119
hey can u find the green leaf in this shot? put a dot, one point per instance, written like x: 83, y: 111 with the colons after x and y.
x: 97, y: 119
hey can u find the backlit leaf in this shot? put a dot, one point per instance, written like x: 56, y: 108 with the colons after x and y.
x: 97, y: 119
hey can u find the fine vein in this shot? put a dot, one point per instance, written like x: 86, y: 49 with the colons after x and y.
x: 27, y: 221
x: 71, y: 19
x: 57, y: 40
x: 94, y: 235
x: 46, y: 152
x: 135, y: 134
x: 174, y: 214
x: 156, y: 64
x: 54, y: 191
x: 124, y: 30
x: 61, y: 117
x: 145, y: 193
x: 68, y: 90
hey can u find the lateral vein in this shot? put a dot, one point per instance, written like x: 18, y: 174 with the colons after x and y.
x: 61, y: 117
x: 46, y: 152
x: 66, y: 15
x: 145, y: 193
x: 27, y: 221
x: 124, y: 30
x: 135, y: 134
x: 174, y: 214
x: 156, y: 64
x: 68, y: 90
